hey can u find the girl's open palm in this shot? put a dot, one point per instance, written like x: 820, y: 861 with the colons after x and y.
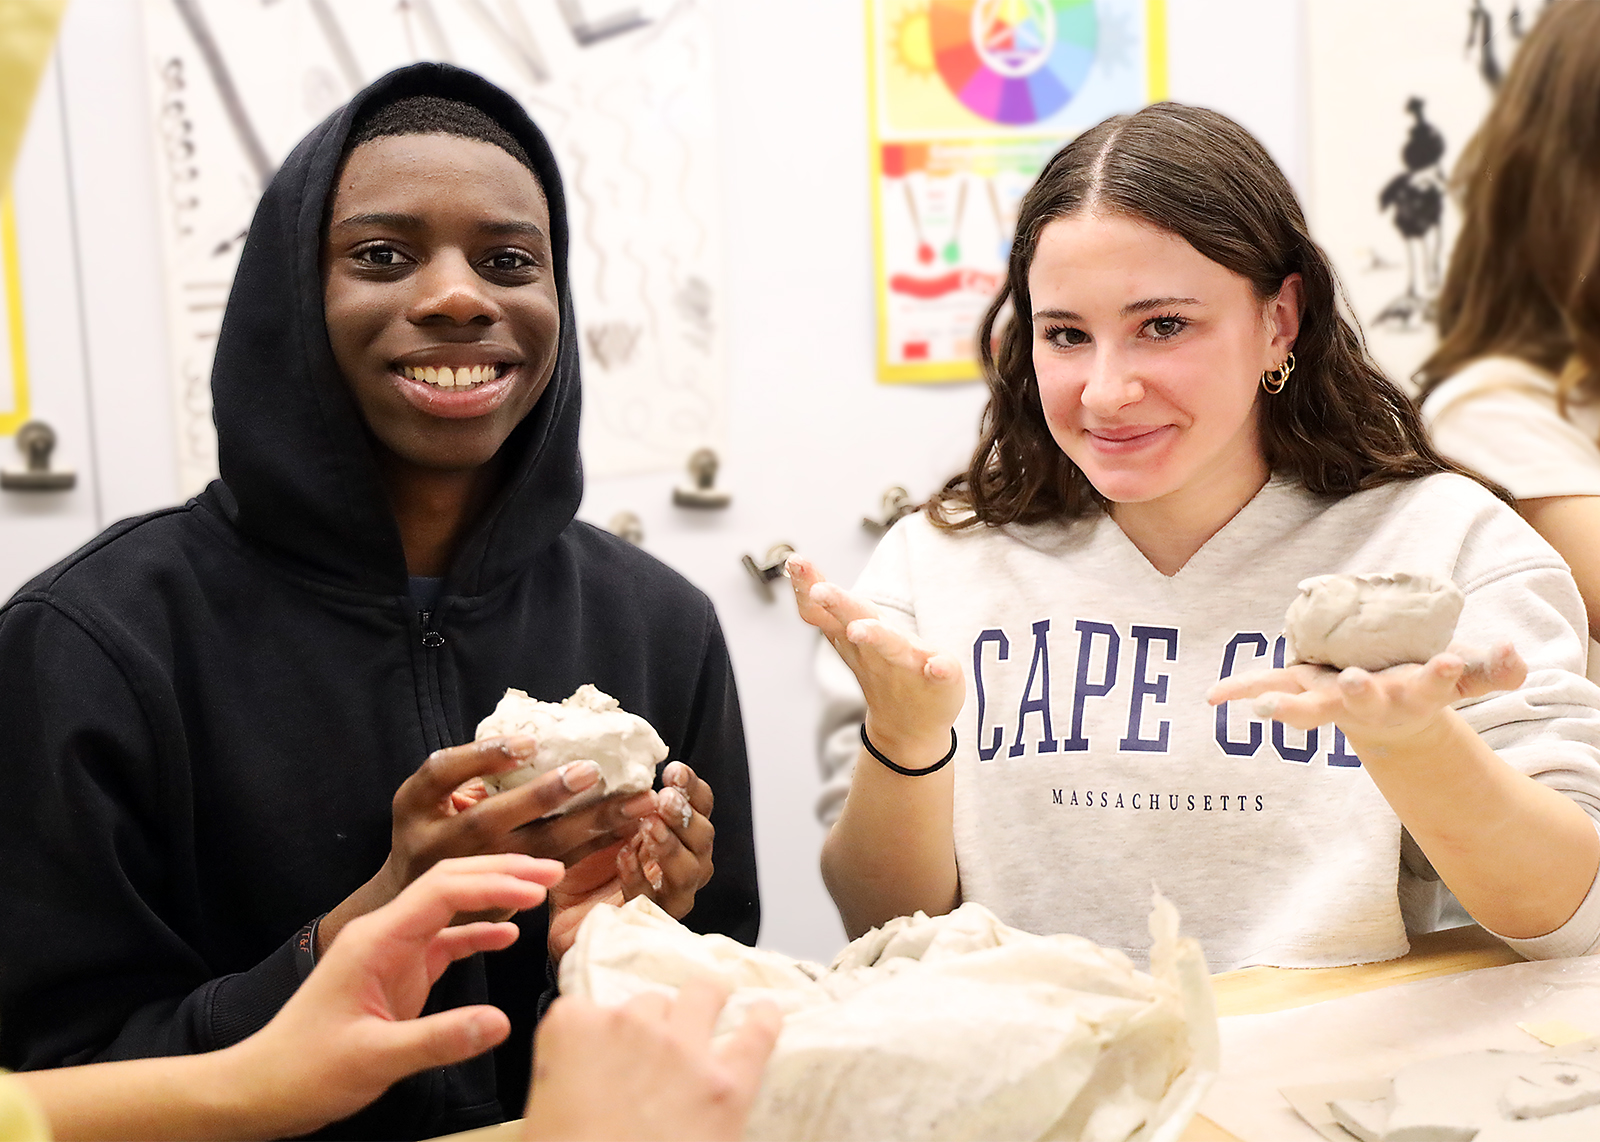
x: 913, y: 691
x: 1381, y: 707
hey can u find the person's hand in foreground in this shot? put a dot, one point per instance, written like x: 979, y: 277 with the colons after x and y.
x: 349, y: 1033
x: 648, y: 1069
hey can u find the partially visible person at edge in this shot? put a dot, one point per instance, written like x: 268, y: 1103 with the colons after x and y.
x: 646, y: 1070
x: 1070, y: 661
x: 1513, y: 389
x: 215, y: 713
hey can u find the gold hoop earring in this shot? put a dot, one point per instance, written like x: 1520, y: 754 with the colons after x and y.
x: 1273, y: 380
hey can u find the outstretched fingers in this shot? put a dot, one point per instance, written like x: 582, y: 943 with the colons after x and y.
x: 1256, y: 683
x: 694, y: 1012
x: 891, y: 646
x: 463, y: 940
x: 826, y: 606
x: 1502, y: 668
x: 745, y: 1052
x: 941, y: 667
x: 804, y: 578
x: 1362, y: 702
x: 464, y: 884
x: 446, y: 770
x: 1304, y: 710
x: 533, y: 800
x: 444, y: 1038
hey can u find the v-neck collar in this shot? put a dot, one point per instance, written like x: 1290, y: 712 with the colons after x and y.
x: 1272, y: 498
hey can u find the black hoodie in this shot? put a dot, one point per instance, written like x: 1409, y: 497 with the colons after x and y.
x: 205, y: 713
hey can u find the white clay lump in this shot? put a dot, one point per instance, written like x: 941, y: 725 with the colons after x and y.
x: 591, y: 725
x: 1371, y: 621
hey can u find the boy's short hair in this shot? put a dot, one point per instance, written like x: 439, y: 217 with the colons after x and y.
x: 435, y: 115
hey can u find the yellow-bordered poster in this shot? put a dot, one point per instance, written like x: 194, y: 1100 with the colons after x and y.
x: 969, y: 98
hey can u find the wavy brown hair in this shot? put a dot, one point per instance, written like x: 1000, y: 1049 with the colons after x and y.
x: 1524, y: 276
x: 1338, y: 427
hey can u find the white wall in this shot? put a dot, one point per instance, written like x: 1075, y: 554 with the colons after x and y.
x: 814, y: 439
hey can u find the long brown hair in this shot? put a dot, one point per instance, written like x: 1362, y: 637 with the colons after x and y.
x: 1524, y: 276
x: 1339, y: 426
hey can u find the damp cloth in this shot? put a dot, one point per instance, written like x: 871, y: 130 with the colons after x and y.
x: 952, y: 1027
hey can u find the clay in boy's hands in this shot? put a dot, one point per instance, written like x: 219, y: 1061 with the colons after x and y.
x: 588, y: 726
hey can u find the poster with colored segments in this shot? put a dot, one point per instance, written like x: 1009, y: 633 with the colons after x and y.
x: 969, y: 99
x: 624, y: 90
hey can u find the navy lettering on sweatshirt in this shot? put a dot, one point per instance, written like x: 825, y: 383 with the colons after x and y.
x: 1128, y: 670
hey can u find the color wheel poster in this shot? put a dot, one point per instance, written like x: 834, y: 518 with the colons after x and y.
x: 970, y: 98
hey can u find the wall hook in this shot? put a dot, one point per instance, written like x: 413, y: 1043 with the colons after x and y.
x: 896, y: 505
x: 703, y: 493
x: 36, y: 440
x: 628, y: 525
x: 772, y: 567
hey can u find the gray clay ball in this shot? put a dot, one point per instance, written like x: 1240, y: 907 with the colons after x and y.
x: 1371, y: 621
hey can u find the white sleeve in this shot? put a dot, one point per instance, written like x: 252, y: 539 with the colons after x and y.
x: 1549, y: 728
x: 1516, y: 436
x: 886, y: 583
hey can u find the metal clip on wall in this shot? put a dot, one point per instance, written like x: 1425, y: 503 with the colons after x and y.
x: 770, y: 568
x: 896, y: 505
x: 703, y: 493
x: 36, y: 440
x: 628, y: 525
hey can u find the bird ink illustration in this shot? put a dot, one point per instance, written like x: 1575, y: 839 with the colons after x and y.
x: 1415, y: 200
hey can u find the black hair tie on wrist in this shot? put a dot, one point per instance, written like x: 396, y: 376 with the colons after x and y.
x: 902, y: 770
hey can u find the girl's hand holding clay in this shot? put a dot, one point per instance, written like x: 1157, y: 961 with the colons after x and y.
x: 1379, y: 710
x: 913, y: 691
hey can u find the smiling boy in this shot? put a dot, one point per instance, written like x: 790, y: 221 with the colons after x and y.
x: 215, y: 714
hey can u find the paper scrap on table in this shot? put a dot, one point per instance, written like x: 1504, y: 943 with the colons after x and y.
x: 1372, y: 1035
x: 1554, y: 1032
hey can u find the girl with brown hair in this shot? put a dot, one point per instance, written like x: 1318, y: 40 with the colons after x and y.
x: 1514, y: 387
x: 1182, y: 426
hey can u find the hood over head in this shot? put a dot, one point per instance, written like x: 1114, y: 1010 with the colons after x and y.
x: 298, y: 467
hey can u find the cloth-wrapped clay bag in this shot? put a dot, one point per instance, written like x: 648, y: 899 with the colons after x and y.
x: 951, y: 1027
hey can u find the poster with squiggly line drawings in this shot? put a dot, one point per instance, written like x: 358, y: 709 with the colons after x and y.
x: 624, y: 91
x: 970, y: 98
x: 1396, y: 91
